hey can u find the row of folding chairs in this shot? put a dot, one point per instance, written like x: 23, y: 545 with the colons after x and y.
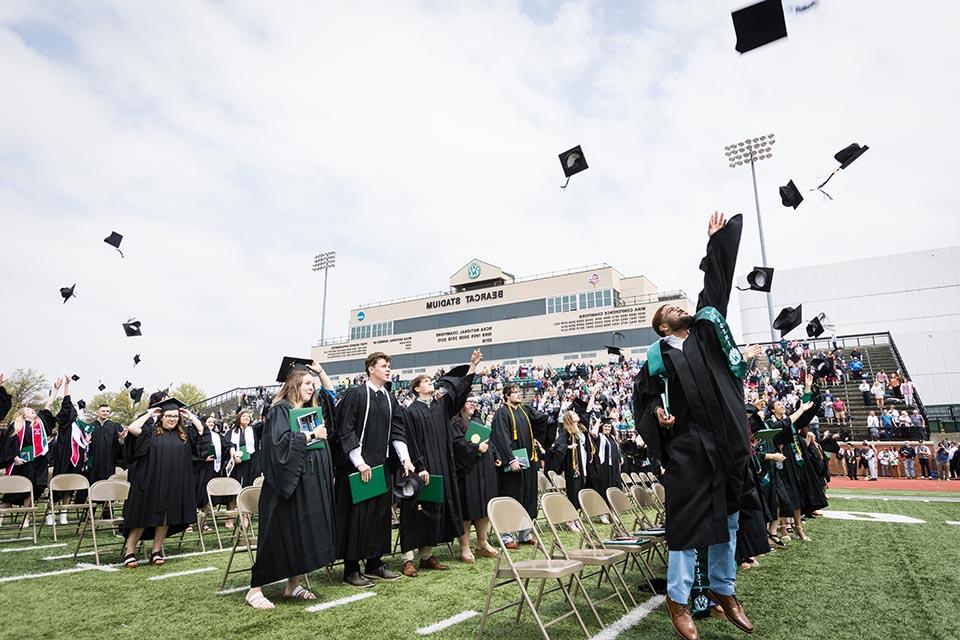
x: 610, y: 555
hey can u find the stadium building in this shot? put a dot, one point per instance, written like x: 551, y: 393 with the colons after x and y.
x: 551, y: 318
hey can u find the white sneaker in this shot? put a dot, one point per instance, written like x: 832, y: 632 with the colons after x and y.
x: 63, y: 517
x: 49, y: 520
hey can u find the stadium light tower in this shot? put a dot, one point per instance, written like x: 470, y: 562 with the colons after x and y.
x: 751, y: 151
x: 325, y: 262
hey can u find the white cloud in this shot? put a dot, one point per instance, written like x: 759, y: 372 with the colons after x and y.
x: 229, y: 143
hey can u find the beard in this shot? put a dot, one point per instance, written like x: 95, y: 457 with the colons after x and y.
x: 681, y: 323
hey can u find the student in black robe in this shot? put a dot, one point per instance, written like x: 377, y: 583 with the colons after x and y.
x: 104, y: 454
x: 245, y: 434
x: 69, y: 452
x: 570, y: 455
x: 162, y: 498
x: 33, y: 429
x: 702, y: 441
x: 517, y: 427
x: 610, y: 459
x: 6, y: 402
x: 789, y: 442
x: 426, y: 421
x: 369, y: 421
x: 812, y: 480
x: 210, y: 461
x: 296, y: 528
x: 752, y: 536
x: 477, y: 480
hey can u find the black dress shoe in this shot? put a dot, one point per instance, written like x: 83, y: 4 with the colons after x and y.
x: 382, y: 573
x: 356, y: 580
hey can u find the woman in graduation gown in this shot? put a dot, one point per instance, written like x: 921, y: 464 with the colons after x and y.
x: 790, y: 444
x: 209, y: 462
x: 246, y: 435
x: 812, y: 482
x: 752, y: 539
x: 477, y: 476
x: 26, y: 447
x: 610, y: 459
x: 70, y: 449
x: 296, y: 534
x: 570, y: 455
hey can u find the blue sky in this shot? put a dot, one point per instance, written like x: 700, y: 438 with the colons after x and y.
x: 230, y: 142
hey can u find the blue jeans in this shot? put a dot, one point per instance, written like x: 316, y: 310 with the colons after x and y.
x: 721, y: 567
x: 525, y: 534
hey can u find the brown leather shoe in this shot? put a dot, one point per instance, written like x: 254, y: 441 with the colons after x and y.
x: 409, y: 569
x: 487, y: 553
x: 511, y: 545
x: 682, y: 620
x: 432, y: 563
x: 733, y: 610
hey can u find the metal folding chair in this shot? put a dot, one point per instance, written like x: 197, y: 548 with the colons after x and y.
x: 19, y: 484
x: 110, y: 492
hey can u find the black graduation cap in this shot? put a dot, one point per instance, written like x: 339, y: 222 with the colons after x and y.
x: 132, y: 328
x: 127, y: 384
x: 815, y: 327
x: 81, y: 404
x: 406, y: 486
x: 845, y: 157
x: 760, y: 279
x: 612, y: 351
x: 788, y: 319
x: 448, y: 382
x: 821, y: 366
x: 790, y: 196
x: 289, y: 364
x: 572, y: 161
x: 136, y: 394
x: 156, y: 397
x: 136, y: 359
x: 67, y: 292
x: 759, y: 24
x: 114, y: 240
x: 102, y: 386
x: 167, y: 404
x: 75, y: 378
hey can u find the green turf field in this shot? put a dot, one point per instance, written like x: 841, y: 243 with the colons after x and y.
x: 857, y: 580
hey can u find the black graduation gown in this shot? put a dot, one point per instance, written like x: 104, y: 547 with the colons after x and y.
x: 631, y: 456
x: 36, y: 470
x: 531, y: 426
x: 476, y: 473
x: 812, y: 494
x: 705, y: 453
x: 64, y: 446
x: 752, y: 537
x: 105, y: 451
x: 595, y: 475
x: 162, y: 485
x: 571, y: 463
x: 789, y: 490
x: 205, y: 471
x: 297, y: 522
x: 611, y: 466
x: 6, y: 403
x: 427, y: 431
x: 363, y: 529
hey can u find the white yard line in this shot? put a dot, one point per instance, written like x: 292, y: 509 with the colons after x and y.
x: 177, y: 555
x: 954, y: 522
x: 631, y: 619
x: 30, y: 576
x: 336, y: 603
x: 39, y: 546
x: 449, y: 622
x: 177, y: 574
x: 106, y: 568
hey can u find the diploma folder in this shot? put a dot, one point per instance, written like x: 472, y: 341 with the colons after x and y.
x: 307, y: 419
x: 522, y: 457
x: 477, y: 433
x: 433, y: 492
x: 360, y: 490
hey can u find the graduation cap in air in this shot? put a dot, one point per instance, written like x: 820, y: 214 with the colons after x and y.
x: 114, y: 240
x: 136, y: 359
x: 81, y: 404
x: 614, y: 353
x: 75, y: 378
x: 821, y: 366
x: 101, y: 386
x: 788, y: 319
x: 760, y: 279
x: 572, y: 161
x: 67, y: 292
x: 136, y: 394
x: 790, y: 196
x: 818, y: 325
x: 448, y: 382
x: 759, y: 24
x: 127, y: 384
x: 845, y: 157
x: 289, y: 364
x: 167, y: 404
x: 132, y: 328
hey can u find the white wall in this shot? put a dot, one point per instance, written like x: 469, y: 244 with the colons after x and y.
x: 914, y: 296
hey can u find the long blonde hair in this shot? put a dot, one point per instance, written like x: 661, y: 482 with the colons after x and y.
x: 290, y: 391
x: 570, y: 422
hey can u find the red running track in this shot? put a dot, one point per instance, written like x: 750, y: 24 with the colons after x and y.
x: 894, y: 484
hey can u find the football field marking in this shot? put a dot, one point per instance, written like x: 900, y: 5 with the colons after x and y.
x: 32, y: 548
x: 871, y: 517
x: 631, y: 619
x: 45, y: 574
x: 341, y: 601
x: 954, y: 522
x: 448, y: 622
x: 177, y: 574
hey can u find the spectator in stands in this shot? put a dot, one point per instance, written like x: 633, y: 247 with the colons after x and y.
x: 894, y: 385
x: 923, y: 455
x: 840, y: 408
x: 877, y: 391
x: 916, y: 421
x: 827, y: 407
x: 887, y: 420
x: 865, y: 392
x: 943, y: 463
x: 907, y: 388
x: 909, y: 454
x: 873, y: 426
x: 856, y: 368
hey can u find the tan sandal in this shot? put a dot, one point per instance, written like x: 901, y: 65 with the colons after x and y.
x: 299, y: 593
x: 258, y: 601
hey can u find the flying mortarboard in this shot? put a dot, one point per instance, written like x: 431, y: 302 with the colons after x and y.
x: 788, y: 319
x: 101, y: 386
x: 289, y: 364
x: 127, y: 384
x: 136, y: 359
x: 814, y: 328
x: 114, y: 240
x: 81, y: 404
x: 572, y: 161
x: 759, y: 24
x: 167, y: 404
x: 67, y: 292
x: 132, y: 328
x: 75, y: 378
x: 790, y: 196
x: 845, y: 157
x: 821, y: 366
x: 760, y: 279
x: 136, y: 394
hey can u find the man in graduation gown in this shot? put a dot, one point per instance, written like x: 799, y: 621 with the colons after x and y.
x: 105, y: 448
x: 369, y: 421
x: 430, y: 441
x: 700, y: 434
x: 519, y: 432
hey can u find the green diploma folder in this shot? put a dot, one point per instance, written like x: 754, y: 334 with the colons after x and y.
x: 477, y: 433
x: 522, y: 458
x: 307, y: 419
x: 433, y: 492
x: 360, y: 491
x: 244, y: 454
